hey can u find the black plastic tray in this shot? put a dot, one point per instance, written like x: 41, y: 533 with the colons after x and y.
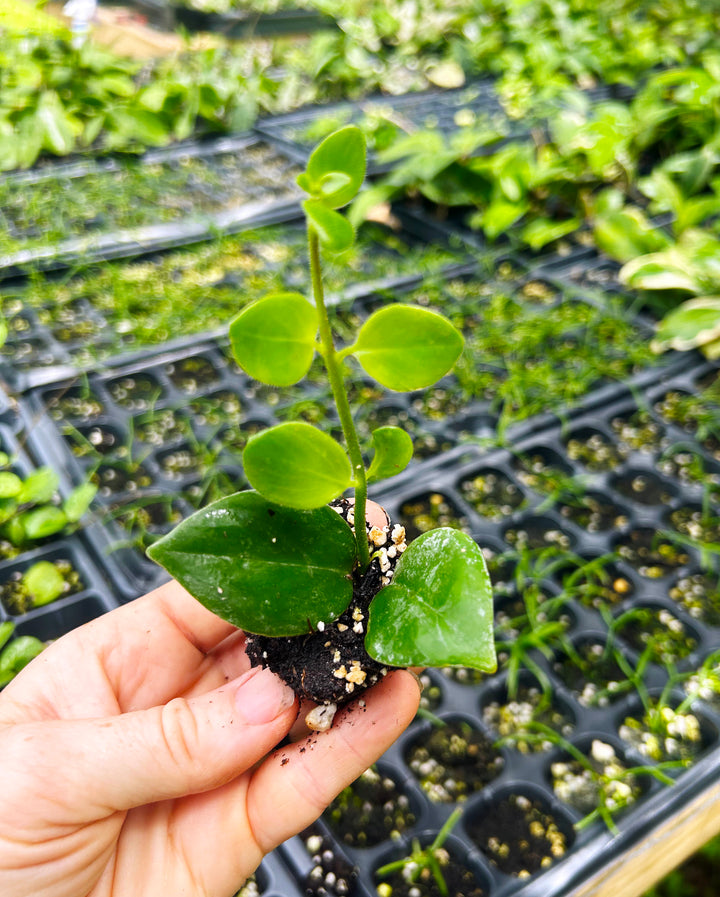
x: 81, y: 335
x: 234, y: 199
x: 443, y: 110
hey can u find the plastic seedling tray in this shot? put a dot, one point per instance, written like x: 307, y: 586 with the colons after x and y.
x: 80, y: 211
x: 49, y: 339
x: 514, y: 500
x: 78, y: 568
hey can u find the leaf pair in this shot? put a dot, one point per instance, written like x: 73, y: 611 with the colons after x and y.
x: 276, y: 571
x: 333, y: 177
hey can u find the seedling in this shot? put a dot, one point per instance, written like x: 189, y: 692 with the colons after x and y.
x: 15, y: 654
x: 428, y: 860
x: 281, y: 564
x: 28, y: 511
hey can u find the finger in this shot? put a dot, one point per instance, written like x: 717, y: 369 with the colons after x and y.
x: 183, y: 747
x: 295, y: 784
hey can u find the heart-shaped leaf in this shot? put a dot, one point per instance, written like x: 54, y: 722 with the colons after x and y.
x: 404, y: 347
x: 336, y: 168
x: 296, y: 464
x: 265, y: 568
x: 693, y: 323
x: 335, y: 232
x: 438, y: 609
x: 393, y: 451
x: 273, y: 339
x: 44, y: 582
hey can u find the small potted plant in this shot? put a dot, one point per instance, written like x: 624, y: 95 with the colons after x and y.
x: 328, y: 603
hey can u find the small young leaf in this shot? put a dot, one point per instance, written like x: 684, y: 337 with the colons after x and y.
x: 393, y: 451
x: 404, y: 347
x: 79, y: 500
x: 10, y: 484
x: 438, y: 609
x: 273, y: 339
x: 342, y: 153
x: 43, y: 522
x: 265, y: 568
x: 335, y: 231
x: 297, y: 465
x: 44, y: 582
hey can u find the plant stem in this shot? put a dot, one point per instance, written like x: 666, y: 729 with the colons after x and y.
x: 337, y: 384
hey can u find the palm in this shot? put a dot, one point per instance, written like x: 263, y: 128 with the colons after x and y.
x: 162, y: 647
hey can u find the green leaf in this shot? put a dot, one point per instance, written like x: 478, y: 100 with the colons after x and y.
x: 393, y: 452
x: 78, y: 501
x: 17, y: 655
x: 404, y: 347
x: 10, y: 484
x: 342, y: 153
x: 273, y: 339
x: 438, y: 609
x: 694, y: 323
x: 39, y: 486
x: 6, y: 630
x: 43, y: 522
x: 267, y: 569
x: 297, y: 465
x: 44, y: 582
x: 54, y: 124
x: 542, y: 231
x: 334, y: 230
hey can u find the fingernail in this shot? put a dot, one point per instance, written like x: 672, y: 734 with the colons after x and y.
x: 420, y: 683
x: 262, y: 697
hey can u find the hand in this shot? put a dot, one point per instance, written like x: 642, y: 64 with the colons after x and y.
x: 137, y: 757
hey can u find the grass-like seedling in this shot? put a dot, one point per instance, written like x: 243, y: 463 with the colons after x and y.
x: 277, y: 561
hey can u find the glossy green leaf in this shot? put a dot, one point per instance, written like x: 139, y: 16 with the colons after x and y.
x: 334, y: 230
x: 336, y: 168
x: 6, y: 630
x: 44, y: 582
x: 693, y: 323
x: 393, y: 452
x: 404, y: 347
x: 10, y: 484
x: 273, y: 339
x: 43, y: 522
x: 296, y: 464
x: 78, y: 501
x: 438, y: 609
x: 267, y: 569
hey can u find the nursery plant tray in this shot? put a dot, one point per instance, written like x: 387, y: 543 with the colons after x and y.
x: 74, y: 319
x: 646, y: 477
x: 87, y: 210
x: 296, y: 133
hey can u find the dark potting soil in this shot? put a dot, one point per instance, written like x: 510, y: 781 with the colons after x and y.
x: 330, y: 665
x: 519, y: 836
x: 331, y: 875
x: 459, y: 881
x: 370, y: 811
x: 454, y: 761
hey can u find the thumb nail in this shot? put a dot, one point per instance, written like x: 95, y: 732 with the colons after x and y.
x: 262, y: 696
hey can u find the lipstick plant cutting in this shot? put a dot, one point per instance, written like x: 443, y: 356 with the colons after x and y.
x: 328, y: 604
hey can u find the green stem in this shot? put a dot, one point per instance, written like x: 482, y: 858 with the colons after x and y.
x: 337, y: 384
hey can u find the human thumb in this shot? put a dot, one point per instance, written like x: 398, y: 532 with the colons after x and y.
x: 183, y: 747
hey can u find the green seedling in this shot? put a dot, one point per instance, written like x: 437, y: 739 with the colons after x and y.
x: 428, y: 860
x: 277, y: 561
x: 28, y: 512
x: 15, y: 654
